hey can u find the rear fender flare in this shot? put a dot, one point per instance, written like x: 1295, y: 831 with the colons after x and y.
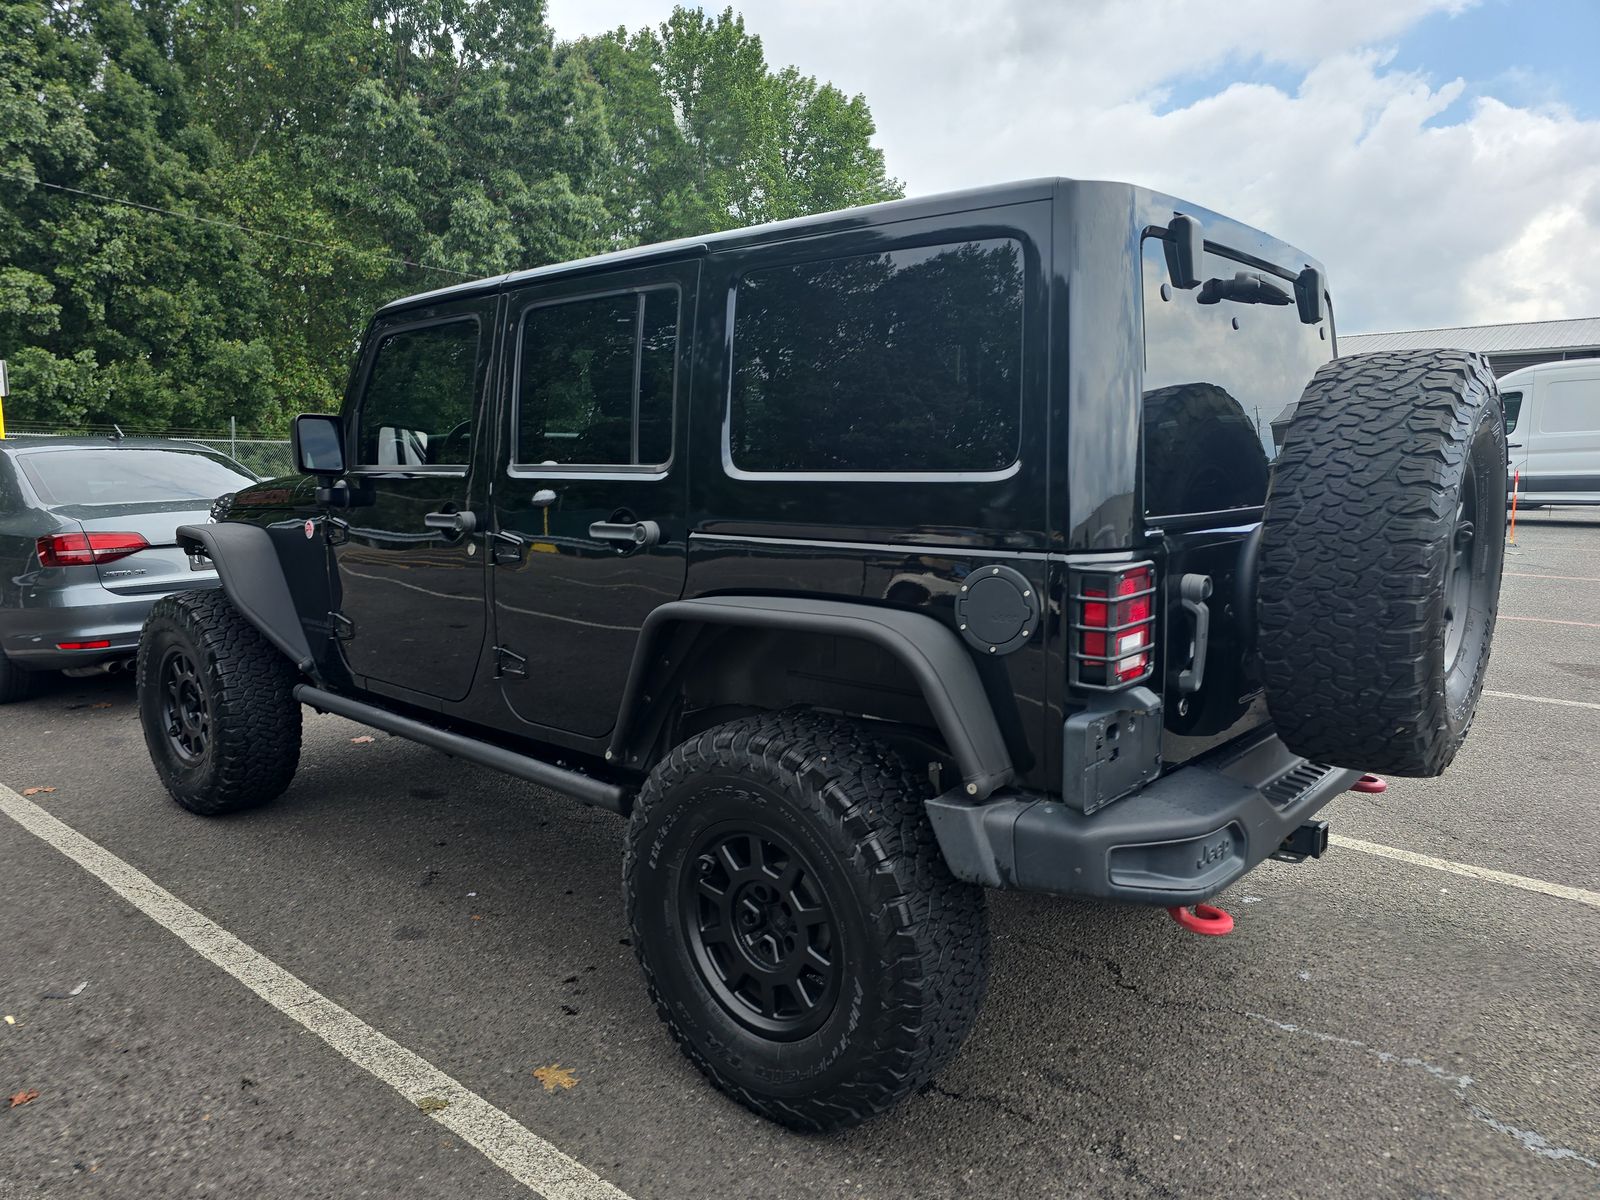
x: 252, y: 576
x: 935, y: 657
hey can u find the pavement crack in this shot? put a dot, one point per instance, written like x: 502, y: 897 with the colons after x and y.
x: 994, y: 1103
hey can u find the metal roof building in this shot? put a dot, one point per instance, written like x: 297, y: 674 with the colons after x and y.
x: 1508, y: 346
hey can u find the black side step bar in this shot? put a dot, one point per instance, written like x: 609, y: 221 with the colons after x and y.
x: 557, y: 779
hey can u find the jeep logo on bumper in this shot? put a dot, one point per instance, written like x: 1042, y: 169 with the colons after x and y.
x: 1213, y: 853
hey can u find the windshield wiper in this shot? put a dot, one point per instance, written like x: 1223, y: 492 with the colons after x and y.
x: 1246, y: 288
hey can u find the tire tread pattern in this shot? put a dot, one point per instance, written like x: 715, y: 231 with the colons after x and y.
x: 935, y: 970
x: 15, y: 683
x: 256, y: 720
x: 1354, y: 553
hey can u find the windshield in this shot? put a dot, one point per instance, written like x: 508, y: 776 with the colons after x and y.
x: 1221, y: 381
x: 127, y: 476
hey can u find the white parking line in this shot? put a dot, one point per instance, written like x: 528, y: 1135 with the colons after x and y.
x: 518, y: 1151
x: 1559, y: 890
x: 1573, y: 578
x: 1551, y: 621
x: 1540, y: 699
x: 1535, y: 1143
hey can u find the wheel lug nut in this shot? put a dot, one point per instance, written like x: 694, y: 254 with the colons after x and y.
x: 706, y: 864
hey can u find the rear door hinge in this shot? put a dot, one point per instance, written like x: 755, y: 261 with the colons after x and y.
x: 343, y: 627
x: 336, y: 530
x: 508, y: 665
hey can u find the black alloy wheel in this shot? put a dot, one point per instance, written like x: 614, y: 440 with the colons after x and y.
x: 761, y: 931
x: 183, y: 706
x: 799, y: 930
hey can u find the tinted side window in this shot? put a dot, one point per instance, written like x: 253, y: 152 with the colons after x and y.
x: 905, y: 361
x: 595, y: 380
x: 1513, y: 406
x: 418, y: 406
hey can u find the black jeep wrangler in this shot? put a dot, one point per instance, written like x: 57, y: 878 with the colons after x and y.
x: 1027, y: 537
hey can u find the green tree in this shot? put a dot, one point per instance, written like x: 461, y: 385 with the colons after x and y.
x: 704, y: 136
x: 202, y: 201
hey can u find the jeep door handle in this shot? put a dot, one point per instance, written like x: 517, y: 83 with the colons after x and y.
x: 639, y: 533
x: 451, y: 522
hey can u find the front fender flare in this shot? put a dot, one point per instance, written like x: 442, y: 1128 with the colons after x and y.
x: 935, y: 657
x: 252, y: 576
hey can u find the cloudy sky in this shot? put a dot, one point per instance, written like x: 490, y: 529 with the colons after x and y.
x: 1442, y: 157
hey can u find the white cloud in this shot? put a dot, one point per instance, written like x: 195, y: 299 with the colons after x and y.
x: 1427, y: 209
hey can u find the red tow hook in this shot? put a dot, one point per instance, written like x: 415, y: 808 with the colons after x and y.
x: 1370, y: 784
x: 1202, y: 918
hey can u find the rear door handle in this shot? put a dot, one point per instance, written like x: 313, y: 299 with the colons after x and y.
x: 451, y: 522
x: 638, y: 533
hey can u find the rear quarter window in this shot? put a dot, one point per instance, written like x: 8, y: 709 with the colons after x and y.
x: 905, y: 361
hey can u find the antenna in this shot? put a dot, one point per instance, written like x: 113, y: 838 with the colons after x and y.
x: 118, y: 435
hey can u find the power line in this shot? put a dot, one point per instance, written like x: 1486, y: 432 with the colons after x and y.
x: 282, y: 237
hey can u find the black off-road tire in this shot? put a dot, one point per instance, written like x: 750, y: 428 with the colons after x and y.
x: 241, y: 744
x: 15, y: 683
x: 1374, y: 629
x: 909, y: 941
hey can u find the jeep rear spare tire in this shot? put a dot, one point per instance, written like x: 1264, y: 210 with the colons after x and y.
x: 1381, y: 554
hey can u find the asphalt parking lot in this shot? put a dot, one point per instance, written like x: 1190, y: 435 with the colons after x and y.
x: 1376, y: 1026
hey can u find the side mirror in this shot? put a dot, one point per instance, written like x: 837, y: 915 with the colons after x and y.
x: 318, y: 443
x: 1308, y: 288
x: 1186, y: 251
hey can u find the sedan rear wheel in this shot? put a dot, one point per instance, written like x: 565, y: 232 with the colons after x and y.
x: 15, y: 683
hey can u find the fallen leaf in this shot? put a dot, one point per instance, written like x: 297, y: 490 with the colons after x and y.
x: 432, y: 1104
x: 34, y: 791
x: 10, y: 1020
x: 362, y: 740
x: 32, y: 1094
x: 101, y: 704
x: 556, y: 1076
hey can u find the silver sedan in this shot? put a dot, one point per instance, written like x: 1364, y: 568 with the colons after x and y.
x: 88, y: 543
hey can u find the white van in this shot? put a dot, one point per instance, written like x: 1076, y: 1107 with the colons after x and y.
x: 1553, y: 429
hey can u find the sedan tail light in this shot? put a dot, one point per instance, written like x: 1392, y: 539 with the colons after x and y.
x: 88, y: 549
x: 1113, y: 627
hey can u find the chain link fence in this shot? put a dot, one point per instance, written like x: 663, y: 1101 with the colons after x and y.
x: 263, y: 456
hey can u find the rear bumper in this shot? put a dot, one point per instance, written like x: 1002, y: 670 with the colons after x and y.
x: 30, y: 635
x: 1178, y: 841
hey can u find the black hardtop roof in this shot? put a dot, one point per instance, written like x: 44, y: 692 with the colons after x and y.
x: 867, y: 214
x: 1138, y: 199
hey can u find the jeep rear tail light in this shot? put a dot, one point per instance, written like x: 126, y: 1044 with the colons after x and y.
x: 1113, y: 626
x: 87, y: 549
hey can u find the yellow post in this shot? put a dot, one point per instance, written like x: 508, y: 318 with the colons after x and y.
x: 4, y: 390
